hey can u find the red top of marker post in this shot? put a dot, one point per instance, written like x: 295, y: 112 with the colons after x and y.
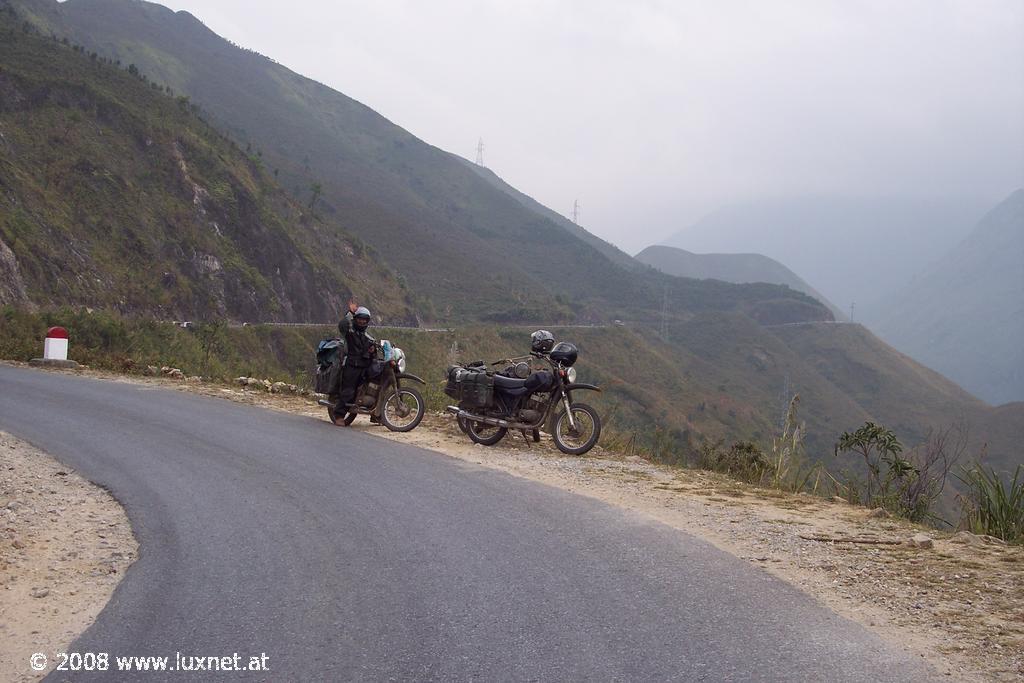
x: 56, y: 333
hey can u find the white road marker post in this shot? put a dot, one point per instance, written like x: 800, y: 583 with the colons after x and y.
x: 56, y: 345
x: 55, y: 349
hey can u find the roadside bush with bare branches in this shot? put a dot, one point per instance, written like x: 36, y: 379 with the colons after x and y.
x: 931, y: 462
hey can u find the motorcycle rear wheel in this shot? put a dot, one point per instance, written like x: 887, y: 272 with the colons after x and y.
x: 588, y: 430
x: 333, y: 415
x: 413, y: 402
x: 485, y: 434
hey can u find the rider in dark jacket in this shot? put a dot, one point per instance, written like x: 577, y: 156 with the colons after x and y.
x: 361, y: 350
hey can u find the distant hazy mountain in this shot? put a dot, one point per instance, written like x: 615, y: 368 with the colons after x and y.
x: 964, y: 314
x: 738, y: 268
x: 850, y: 250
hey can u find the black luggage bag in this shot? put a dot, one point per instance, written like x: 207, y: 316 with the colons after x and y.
x: 330, y: 356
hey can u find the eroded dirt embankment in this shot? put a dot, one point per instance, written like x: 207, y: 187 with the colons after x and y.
x: 65, y: 544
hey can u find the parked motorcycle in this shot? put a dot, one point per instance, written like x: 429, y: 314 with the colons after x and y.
x: 520, y: 368
x: 382, y: 395
x: 492, y: 403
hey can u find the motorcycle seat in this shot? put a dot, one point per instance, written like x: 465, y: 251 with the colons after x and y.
x: 502, y: 382
x: 510, y: 386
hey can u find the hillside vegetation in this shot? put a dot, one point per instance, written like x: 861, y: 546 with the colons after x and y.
x: 721, y: 377
x: 964, y: 314
x: 736, y: 268
x: 472, y: 250
x: 116, y: 195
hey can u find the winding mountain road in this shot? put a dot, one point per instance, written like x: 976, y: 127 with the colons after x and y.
x: 343, y: 556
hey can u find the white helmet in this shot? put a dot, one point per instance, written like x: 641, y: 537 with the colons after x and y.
x: 541, y: 341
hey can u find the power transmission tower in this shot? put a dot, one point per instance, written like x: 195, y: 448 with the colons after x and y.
x: 480, y: 152
x: 576, y: 212
x: 852, y: 304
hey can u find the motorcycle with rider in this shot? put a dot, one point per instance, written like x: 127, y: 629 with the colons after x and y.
x: 364, y: 376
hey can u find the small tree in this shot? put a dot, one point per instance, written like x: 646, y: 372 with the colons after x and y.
x: 877, y: 445
x: 213, y: 338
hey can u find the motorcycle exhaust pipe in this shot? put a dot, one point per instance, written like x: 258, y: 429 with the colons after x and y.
x: 458, y: 412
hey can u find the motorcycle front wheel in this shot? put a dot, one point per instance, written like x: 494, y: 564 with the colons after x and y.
x: 581, y: 439
x: 485, y: 434
x: 403, y: 410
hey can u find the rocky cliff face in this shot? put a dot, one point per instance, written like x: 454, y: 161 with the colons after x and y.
x: 117, y: 195
x: 12, y: 287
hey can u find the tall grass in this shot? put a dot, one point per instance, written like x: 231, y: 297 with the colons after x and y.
x: 991, y: 505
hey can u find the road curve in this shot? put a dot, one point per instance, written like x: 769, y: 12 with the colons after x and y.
x: 347, y: 557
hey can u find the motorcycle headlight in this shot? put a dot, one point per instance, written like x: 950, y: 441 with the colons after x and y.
x: 570, y: 375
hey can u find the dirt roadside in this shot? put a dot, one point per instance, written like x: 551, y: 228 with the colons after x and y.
x: 958, y: 604
x: 65, y: 544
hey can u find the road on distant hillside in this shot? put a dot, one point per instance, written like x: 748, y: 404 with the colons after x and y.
x: 343, y: 556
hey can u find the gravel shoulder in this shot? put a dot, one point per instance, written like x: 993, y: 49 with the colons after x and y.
x: 958, y: 604
x: 65, y: 544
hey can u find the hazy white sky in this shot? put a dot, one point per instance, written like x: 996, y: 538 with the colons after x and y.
x: 652, y: 113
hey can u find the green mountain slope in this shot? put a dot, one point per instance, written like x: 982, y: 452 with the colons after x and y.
x: 737, y: 268
x: 611, y: 252
x: 116, y: 195
x: 722, y: 376
x: 899, y: 392
x: 964, y: 315
x: 474, y: 250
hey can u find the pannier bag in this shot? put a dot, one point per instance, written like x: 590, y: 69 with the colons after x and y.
x: 477, y: 390
x: 456, y: 374
x: 330, y: 355
x: 453, y: 387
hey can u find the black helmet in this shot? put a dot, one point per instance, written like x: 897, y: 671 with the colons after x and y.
x: 362, y: 317
x: 541, y: 341
x: 565, y: 353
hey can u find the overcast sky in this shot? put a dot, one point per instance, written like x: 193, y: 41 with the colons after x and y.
x: 653, y: 113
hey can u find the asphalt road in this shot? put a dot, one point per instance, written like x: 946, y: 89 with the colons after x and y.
x: 347, y: 557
